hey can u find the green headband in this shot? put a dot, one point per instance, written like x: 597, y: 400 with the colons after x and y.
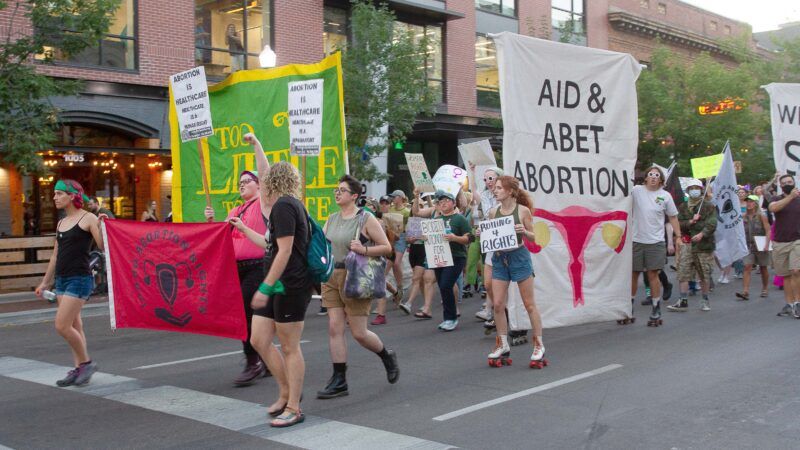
x: 61, y: 186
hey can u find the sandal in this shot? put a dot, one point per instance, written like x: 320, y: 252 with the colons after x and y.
x: 288, y: 418
x: 743, y: 295
x: 278, y: 412
x: 764, y: 293
x: 422, y: 315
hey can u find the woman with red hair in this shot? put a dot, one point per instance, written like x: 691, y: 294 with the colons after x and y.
x: 514, y: 266
x: 73, y: 277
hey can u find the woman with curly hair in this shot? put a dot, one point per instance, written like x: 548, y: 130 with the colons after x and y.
x: 279, y: 304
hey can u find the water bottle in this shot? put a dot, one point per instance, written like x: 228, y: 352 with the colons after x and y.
x: 50, y: 296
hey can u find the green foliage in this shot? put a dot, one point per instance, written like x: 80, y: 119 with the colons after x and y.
x: 28, y: 122
x: 385, y: 89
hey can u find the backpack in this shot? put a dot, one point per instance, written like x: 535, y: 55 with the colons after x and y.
x: 320, y: 253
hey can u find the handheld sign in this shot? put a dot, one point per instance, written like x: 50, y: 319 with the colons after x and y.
x: 706, y: 166
x: 419, y: 172
x: 395, y: 222
x: 437, y: 250
x: 449, y: 178
x: 414, y: 227
x: 305, y: 117
x: 479, y: 153
x: 190, y: 93
x: 498, y: 234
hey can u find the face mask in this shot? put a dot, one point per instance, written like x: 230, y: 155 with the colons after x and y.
x: 787, y: 189
x: 695, y: 193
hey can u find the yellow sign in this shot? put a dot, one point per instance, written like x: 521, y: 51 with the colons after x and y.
x: 707, y: 166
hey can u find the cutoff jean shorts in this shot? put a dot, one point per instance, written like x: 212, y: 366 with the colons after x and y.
x: 512, y: 265
x: 78, y: 286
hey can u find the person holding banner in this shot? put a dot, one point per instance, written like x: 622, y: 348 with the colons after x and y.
x: 423, y: 278
x: 786, y: 243
x: 249, y: 259
x: 351, y: 229
x: 69, y: 265
x: 486, y: 202
x: 514, y: 266
x: 755, y: 226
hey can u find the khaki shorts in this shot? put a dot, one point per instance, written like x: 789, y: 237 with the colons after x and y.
x: 756, y: 259
x: 785, y: 257
x: 694, y: 265
x: 649, y: 256
x: 333, y: 296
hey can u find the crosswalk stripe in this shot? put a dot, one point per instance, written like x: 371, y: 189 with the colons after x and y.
x: 232, y: 414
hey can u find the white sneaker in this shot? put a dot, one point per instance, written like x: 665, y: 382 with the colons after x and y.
x: 484, y: 314
x: 449, y: 325
x: 704, y: 306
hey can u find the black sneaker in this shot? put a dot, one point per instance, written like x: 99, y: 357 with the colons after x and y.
x: 681, y: 305
x: 796, y: 310
x: 667, y: 291
x: 786, y: 311
x: 85, y: 372
x: 69, y: 380
x: 392, y: 369
x: 323, y: 311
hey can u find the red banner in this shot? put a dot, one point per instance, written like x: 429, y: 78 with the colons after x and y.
x: 174, y: 277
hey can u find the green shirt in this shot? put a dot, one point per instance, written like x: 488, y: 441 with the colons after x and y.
x: 458, y: 225
x: 406, y: 212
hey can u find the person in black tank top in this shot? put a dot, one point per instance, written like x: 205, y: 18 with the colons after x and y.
x: 69, y: 271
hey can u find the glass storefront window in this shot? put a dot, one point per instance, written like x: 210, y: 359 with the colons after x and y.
x: 230, y: 34
x: 568, y: 22
x: 117, y: 47
x: 486, y: 74
x: 433, y: 55
x: 334, y: 33
x: 505, y: 7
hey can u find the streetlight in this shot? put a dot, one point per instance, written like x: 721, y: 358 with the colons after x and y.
x: 267, y: 57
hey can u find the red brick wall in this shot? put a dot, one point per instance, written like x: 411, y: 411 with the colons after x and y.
x: 459, y: 49
x: 534, y: 18
x: 298, y: 31
x: 684, y: 16
x: 597, y: 26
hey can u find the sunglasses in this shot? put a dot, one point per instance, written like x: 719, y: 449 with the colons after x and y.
x: 246, y: 182
x: 341, y: 191
x: 654, y: 174
x: 489, y: 178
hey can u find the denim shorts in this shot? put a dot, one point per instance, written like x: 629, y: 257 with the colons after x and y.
x: 512, y: 265
x: 78, y: 286
x: 400, y: 244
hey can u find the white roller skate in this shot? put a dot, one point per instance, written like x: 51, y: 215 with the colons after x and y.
x: 537, y: 357
x: 501, y: 355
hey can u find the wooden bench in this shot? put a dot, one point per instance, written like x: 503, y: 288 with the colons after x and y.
x: 23, y: 261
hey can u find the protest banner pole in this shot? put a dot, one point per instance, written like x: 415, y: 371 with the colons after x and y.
x: 304, y: 180
x: 204, y: 143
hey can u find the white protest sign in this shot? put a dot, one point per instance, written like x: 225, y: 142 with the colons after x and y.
x: 419, y: 172
x: 190, y: 94
x: 498, y: 234
x: 414, y: 227
x: 784, y: 103
x: 478, y: 153
x: 570, y: 135
x: 305, y: 117
x: 761, y: 241
x: 449, y: 178
x: 437, y: 250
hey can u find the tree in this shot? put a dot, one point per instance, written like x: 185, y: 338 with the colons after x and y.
x: 671, y: 126
x: 28, y: 122
x: 384, y: 89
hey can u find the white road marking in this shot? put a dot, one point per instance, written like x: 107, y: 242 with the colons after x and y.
x: 199, y: 358
x: 526, y: 392
x: 229, y: 413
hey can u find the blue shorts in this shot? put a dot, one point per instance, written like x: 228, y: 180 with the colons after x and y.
x: 512, y: 265
x: 78, y: 286
x: 400, y: 244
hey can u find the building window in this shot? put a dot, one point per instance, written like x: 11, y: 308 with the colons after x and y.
x: 727, y: 29
x: 230, y: 34
x: 644, y: 4
x: 568, y: 22
x: 713, y: 25
x: 434, y: 69
x: 505, y: 7
x: 334, y: 33
x: 662, y: 8
x: 116, y: 49
x: 487, y: 83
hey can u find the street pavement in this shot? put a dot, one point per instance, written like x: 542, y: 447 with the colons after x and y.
x: 721, y: 379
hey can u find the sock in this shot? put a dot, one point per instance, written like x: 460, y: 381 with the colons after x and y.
x: 656, y: 301
x: 383, y: 353
x: 684, y: 295
x: 705, y: 296
x: 339, y: 367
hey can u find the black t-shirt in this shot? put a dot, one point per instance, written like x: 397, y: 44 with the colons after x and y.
x: 787, y: 220
x: 288, y: 218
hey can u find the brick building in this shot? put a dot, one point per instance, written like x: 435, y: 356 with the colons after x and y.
x: 115, y: 137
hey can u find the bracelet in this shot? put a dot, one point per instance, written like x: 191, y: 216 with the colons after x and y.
x: 268, y: 290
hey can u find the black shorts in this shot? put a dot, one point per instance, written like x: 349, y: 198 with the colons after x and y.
x: 286, y: 308
x: 416, y: 255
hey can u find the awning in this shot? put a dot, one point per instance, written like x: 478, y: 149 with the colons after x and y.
x: 423, y: 10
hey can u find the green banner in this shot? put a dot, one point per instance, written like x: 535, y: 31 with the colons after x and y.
x: 257, y: 101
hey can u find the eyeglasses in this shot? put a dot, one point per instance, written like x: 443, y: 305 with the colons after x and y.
x: 487, y: 179
x: 654, y: 174
x: 245, y: 182
x: 341, y: 191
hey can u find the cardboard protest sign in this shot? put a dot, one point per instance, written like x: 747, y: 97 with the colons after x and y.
x: 305, y: 117
x: 706, y: 166
x: 570, y: 135
x: 784, y: 105
x: 449, y: 178
x: 190, y: 101
x: 479, y: 153
x: 437, y: 250
x: 419, y: 172
x: 395, y: 222
x: 414, y: 227
x: 498, y: 234
x: 256, y: 101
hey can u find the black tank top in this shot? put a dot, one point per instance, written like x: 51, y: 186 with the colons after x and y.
x: 73, y: 251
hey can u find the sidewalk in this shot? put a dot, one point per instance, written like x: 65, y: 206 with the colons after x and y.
x: 24, y: 307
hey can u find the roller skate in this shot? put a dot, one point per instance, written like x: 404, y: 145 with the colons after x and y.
x: 630, y: 319
x: 467, y: 291
x: 655, y: 316
x: 501, y: 355
x: 518, y: 337
x: 488, y: 327
x: 537, y: 357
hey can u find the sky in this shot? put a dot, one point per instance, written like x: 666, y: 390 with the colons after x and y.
x: 763, y: 15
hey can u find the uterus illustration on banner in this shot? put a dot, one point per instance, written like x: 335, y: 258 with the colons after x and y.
x: 570, y: 138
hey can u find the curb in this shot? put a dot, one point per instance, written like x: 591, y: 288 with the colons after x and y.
x: 48, y: 315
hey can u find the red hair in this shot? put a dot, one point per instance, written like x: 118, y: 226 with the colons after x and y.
x: 511, y: 184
